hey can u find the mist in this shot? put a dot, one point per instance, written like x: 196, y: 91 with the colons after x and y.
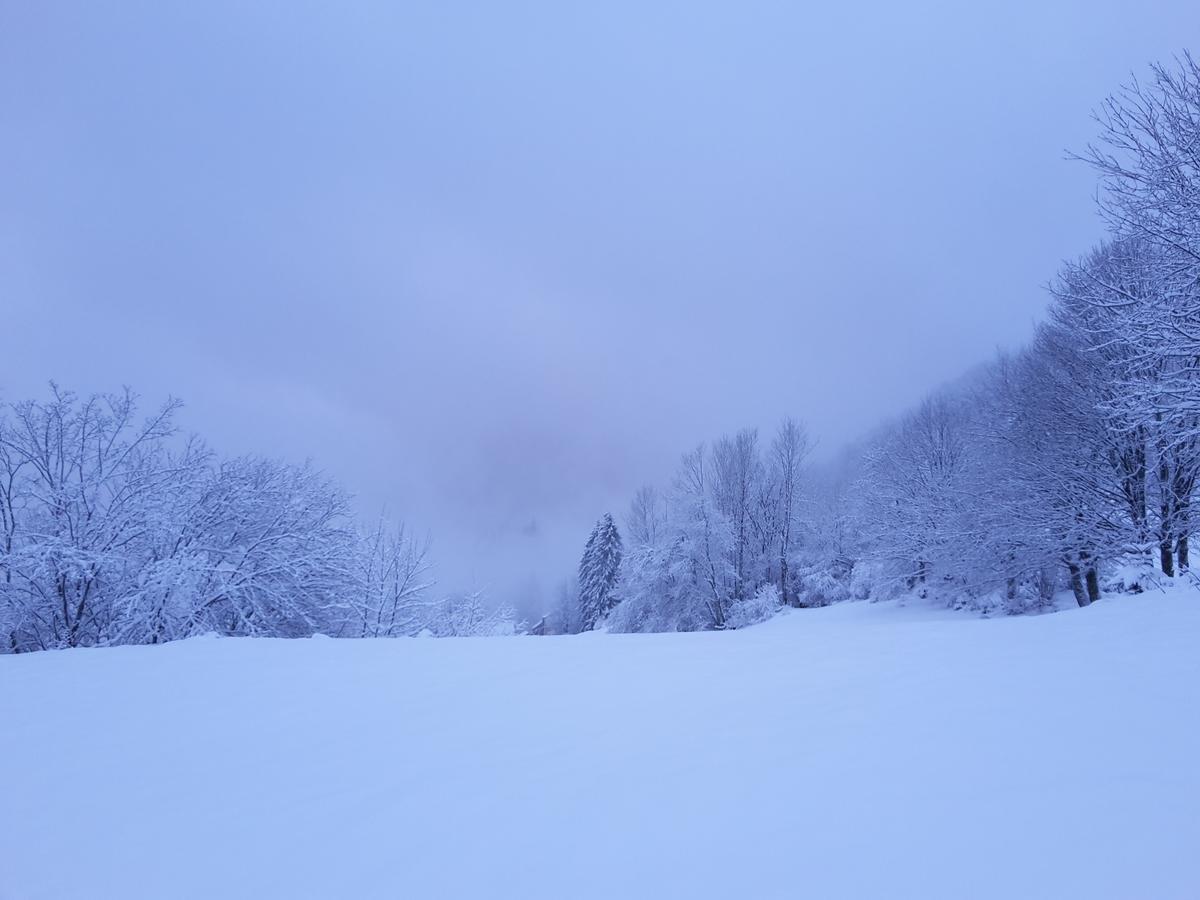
x: 494, y: 268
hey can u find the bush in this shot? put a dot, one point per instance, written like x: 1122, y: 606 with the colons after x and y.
x: 764, y: 604
x: 820, y: 588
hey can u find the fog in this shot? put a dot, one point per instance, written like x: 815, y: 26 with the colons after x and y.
x: 493, y: 268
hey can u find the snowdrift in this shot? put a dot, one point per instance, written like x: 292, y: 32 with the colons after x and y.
x: 855, y: 751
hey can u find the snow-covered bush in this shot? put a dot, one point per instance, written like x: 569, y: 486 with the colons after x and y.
x: 820, y: 587
x: 659, y: 590
x: 471, y: 615
x: 765, y: 603
x: 863, y: 578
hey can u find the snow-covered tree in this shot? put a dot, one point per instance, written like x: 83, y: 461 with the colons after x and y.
x: 788, y: 452
x: 115, y: 530
x: 470, y: 614
x: 914, y: 489
x: 564, y: 617
x: 85, y: 487
x: 737, y: 472
x: 392, y: 595
x: 728, y: 525
x: 598, y: 570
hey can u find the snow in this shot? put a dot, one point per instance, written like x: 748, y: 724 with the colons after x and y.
x: 863, y: 750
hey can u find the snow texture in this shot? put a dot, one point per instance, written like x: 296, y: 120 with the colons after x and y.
x: 859, y: 750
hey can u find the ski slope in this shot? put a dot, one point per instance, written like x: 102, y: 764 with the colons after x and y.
x: 856, y: 751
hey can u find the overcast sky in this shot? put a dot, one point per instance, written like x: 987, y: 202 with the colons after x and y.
x: 495, y: 265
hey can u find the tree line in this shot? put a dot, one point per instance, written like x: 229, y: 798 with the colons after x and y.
x: 116, y: 529
x: 1071, y: 464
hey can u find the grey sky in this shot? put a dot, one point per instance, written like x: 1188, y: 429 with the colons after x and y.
x: 495, y: 265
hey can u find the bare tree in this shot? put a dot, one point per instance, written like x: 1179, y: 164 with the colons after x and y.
x: 392, y: 597
x: 788, y: 452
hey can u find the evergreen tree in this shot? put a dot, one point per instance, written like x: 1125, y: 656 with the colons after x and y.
x: 598, y: 572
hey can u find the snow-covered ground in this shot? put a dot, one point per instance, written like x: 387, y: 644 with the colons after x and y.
x: 857, y: 751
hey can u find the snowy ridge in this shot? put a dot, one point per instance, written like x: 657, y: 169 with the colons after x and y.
x: 861, y: 750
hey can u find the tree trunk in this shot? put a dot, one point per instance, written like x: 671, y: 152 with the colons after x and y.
x: 1166, y: 539
x: 1166, y: 543
x: 1182, y: 503
x: 1166, y: 561
x: 1183, y: 483
x: 1081, y: 596
x: 1093, y: 585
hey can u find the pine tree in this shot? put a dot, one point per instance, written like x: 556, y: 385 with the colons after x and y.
x: 598, y: 572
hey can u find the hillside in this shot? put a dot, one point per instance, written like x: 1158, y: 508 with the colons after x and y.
x: 858, y: 750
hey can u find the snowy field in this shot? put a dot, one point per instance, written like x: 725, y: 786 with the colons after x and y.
x: 856, y: 751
